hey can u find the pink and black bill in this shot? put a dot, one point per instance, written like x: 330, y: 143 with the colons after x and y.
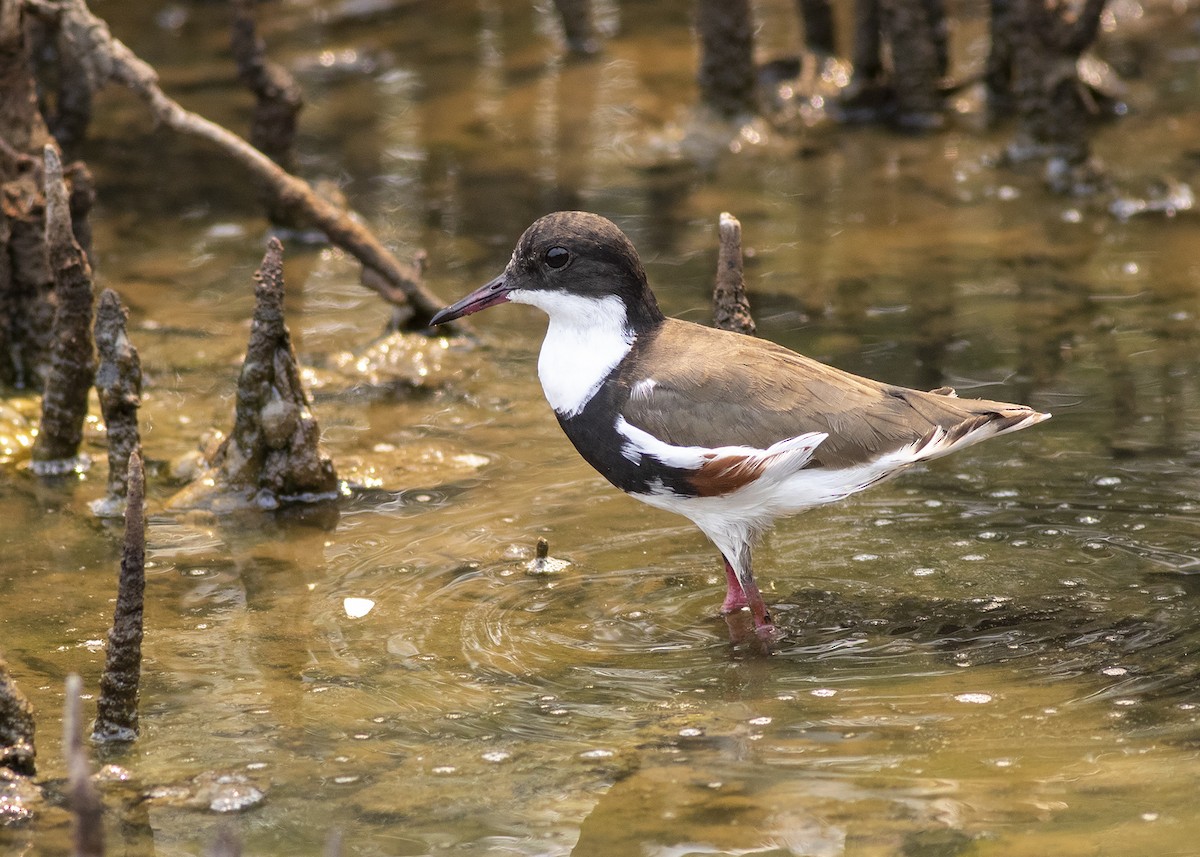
x: 489, y: 294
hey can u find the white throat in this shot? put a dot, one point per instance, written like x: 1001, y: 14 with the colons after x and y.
x: 586, y: 339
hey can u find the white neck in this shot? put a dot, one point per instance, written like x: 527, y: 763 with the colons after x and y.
x: 586, y: 338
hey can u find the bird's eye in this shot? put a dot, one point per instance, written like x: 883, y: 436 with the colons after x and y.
x: 556, y: 257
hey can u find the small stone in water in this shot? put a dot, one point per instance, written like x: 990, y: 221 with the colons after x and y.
x: 356, y: 608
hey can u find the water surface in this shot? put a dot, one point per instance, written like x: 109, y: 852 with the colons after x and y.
x: 994, y: 655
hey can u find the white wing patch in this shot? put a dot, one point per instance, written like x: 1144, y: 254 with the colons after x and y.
x: 780, y: 459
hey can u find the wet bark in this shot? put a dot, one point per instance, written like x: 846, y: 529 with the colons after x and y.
x: 731, y: 307
x: 72, y: 359
x: 82, y: 197
x: 916, y: 35
x: 817, y: 16
x: 69, y: 112
x: 17, y: 749
x: 998, y: 73
x: 727, y: 76
x: 119, y: 386
x: 87, y: 825
x: 272, y: 455
x: 1053, y: 103
x: 278, y: 98
x: 108, y: 60
x: 576, y: 18
x: 226, y: 844
x: 117, y: 709
x: 916, y: 32
x: 867, y: 52
x: 26, y: 282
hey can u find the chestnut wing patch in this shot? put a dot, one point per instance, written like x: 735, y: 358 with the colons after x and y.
x: 724, y: 474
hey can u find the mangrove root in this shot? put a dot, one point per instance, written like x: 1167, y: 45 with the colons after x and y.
x: 87, y: 829
x: 72, y: 361
x: 117, y: 709
x: 17, y: 750
x: 26, y: 283
x: 727, y: 78
x: 119, y: 386
x: 731, y: 307
x: 272, y: 455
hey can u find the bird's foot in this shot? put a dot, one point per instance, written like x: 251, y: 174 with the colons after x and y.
x: 768, y: 631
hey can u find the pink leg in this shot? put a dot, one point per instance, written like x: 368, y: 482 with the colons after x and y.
x: 739, y: 594
x: 735, y: 598
x: 758, y: 609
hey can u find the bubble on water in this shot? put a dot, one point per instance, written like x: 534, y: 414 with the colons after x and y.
x: 1088, y: 519
x: 1107, y: 481
x: 865, y: 557
x: 760, y: 721
x: 1149, y: 816
x: 923, y: 572
x: 690, y: 732
x: 973, y: 557
x: 598, y: 753
x: 824, y: 692
x: 974, y: 698
x: 1114, y: 671
x: 443, y: 770
x: 496, y: 756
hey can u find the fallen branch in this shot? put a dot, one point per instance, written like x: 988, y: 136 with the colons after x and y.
x: 107, y: 59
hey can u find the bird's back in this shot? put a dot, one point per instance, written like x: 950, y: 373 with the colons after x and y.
x: 712, y: 388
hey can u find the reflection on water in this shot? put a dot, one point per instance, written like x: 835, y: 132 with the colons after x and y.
x: 992, y: 655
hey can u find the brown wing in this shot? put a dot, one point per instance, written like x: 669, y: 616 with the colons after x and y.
x: 713, y: 388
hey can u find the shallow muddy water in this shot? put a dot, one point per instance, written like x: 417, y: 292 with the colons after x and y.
x: 993, y: 655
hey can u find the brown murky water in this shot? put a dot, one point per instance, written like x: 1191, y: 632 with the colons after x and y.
x: 996, y: 655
